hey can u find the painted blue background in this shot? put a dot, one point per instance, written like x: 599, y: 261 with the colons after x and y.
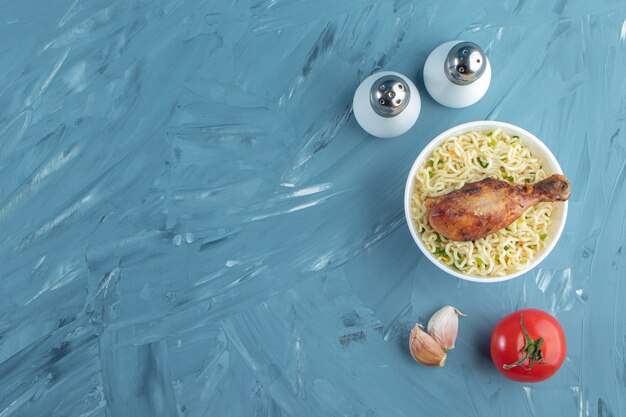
x: 192, y: 223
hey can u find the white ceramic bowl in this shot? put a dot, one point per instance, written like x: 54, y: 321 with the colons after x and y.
x: 539, y: 151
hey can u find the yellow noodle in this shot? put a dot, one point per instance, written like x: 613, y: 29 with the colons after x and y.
x: 471, y: 157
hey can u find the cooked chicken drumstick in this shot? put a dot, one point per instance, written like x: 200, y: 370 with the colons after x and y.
x: 484, y: 207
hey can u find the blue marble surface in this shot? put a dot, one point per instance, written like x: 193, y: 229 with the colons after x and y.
x: 193, y: 224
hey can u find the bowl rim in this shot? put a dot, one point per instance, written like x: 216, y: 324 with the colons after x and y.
x: 480, y: 124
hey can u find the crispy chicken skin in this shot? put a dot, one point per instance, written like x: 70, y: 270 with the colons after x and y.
x: 484, y: 207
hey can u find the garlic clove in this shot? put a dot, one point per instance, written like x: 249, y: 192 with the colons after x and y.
x: 425, y: 349
x: 443, y: 326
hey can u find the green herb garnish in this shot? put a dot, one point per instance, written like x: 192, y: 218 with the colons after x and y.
x: 430, y: 174
x: 506, y: 248
x: 439, y: 251
x: 438, y: 240
x: 430, y: 162
x: 493, y: 142
x: 489, y: 133
x: 543, y: 236
x: 510, y: 178
x: 515, y: 137
x: 479, y: 261
x: 482, y: 164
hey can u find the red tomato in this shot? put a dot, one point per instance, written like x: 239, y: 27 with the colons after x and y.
x: 530, y: 357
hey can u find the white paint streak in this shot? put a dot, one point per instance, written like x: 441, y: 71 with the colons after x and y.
x: 38, y: 264
x: 71, y: 12
x: 576, y: 391
x: 311, y: 190
x: 76, y: 77
x: 62, y: 276
x: 106, y: 281
x: 543, y: 279
x: 557, y: 288
x: 54, y: 165
x: 30, y: 100
x: 499, y: 33
x: 65, y: 214
x: 528, y: 398
x: 321, y: 262
x: 291, y: 210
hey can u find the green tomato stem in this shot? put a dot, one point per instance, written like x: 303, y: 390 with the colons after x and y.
x: 531, y: 351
